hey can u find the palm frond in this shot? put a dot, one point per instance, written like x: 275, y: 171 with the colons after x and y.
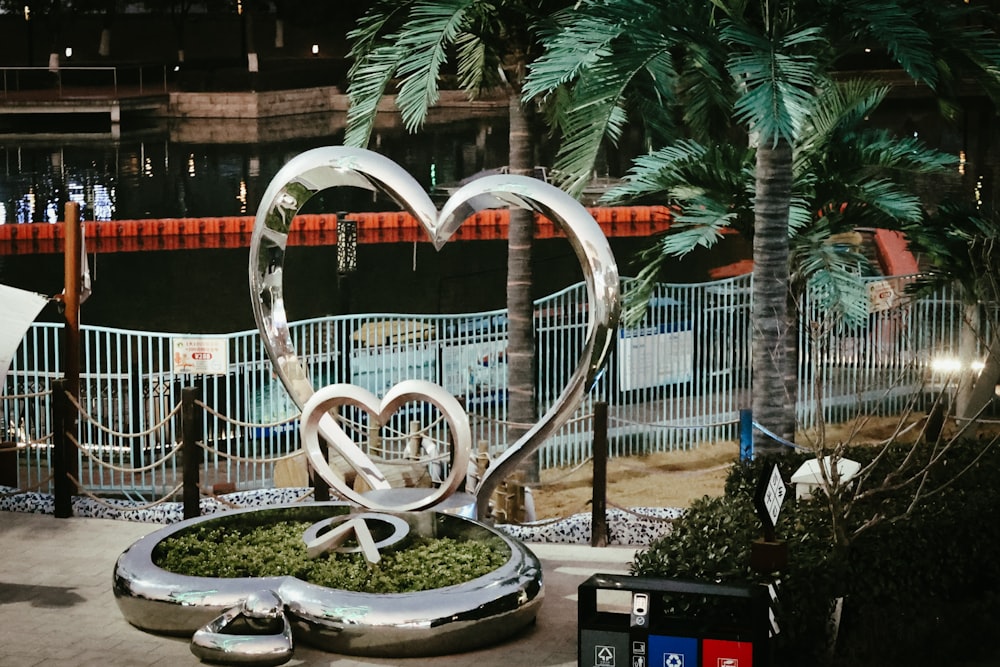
x: 431, y: 28
x: 800, y: 215
x: 890, y: 200
x: 778, y: 78
x: 616, y: 60
x: 597, y: 111
x: 839, y: 107
x: 378, y: 22
x: 897, y: 27
x: 472, y: 62
x: 580, y: 38
x: 369, y: 81
x: 639, y: 291
x: 657, y: 172
x: 880, y: 149
x: 833, y: 274
x: 375, y: 58
x: 707, y: 92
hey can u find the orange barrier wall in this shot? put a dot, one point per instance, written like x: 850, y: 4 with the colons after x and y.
x: 320, y: 229
x: 894, y: 253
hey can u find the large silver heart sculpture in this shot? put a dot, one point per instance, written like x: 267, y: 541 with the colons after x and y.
x: 335, y: 166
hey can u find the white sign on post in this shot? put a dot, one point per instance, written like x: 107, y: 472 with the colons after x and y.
x: 202, y: 356
x: 774, y: 495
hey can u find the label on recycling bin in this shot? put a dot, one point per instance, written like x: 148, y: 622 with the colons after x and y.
x: 601, y: 648
x: 723, y: 653
x: 673, y: 651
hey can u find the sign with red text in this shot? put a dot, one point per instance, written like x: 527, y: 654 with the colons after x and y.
x: 204, y: 356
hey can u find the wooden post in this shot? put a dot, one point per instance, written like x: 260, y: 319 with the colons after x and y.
x: 599, y: 508
x: 413, y: 441
x: 63, y: 492
x: 321, y: 490
x: 72, y: 248
x: 191, y: 455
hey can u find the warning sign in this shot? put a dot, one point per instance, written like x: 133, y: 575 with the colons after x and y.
x: 204, y: 356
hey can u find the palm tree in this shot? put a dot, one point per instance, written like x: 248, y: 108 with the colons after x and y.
x: 687, y: 67
x: 491, y: 43
x: 846, y: 175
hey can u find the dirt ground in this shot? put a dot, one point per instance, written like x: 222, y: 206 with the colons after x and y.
x: 675, y: 479
x: 665, y: 479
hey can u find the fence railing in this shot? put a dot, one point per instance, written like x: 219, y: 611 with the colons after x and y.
x: 74, y: 82
x: 677, y: 380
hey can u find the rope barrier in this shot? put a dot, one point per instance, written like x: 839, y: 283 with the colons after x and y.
x: 509, y: 424
x: 777, y: 438
x: 679, y: 427
x: 246, y: 459
x: 29, y: 489
x: 36, y: 394
x: 120, y: 434
x: 43, y: 440
x: 229, y: 420
x: 129, y: 508
x: 569, y: 473
x: 122, y: 469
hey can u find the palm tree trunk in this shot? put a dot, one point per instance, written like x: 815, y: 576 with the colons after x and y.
x: 522, y: 412
x: 772, y: 407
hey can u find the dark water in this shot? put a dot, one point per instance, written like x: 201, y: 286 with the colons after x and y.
x: 169, y: 175
x: 201, y: 168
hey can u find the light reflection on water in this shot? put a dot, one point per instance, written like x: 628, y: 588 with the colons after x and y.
x: 196, y: 169
x: 174, y: 172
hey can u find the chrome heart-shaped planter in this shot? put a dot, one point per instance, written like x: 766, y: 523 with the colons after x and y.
x: 438, y: 621
x: 335, y: 166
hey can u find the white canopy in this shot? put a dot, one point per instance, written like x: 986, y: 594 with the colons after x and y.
x: 18, y: 309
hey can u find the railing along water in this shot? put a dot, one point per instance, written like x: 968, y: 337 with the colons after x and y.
x: 677, y: 379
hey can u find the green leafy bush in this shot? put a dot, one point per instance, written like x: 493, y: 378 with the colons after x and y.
x: 274, y: 549
x: 919, y: 588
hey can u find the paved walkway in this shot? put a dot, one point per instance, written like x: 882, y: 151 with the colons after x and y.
x: 57, y: 607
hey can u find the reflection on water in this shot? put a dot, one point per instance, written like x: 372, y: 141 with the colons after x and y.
x: 207, y: 169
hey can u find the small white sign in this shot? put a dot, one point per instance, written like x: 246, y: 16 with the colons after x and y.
x: 204, y: 356
x: 774, y: 495
x: 881, y: 296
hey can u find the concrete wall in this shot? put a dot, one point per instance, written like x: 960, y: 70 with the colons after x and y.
x: 256, y: 104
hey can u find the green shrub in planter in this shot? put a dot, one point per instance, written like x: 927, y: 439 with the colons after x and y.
x: 911, y: 583
x: 277, y: 549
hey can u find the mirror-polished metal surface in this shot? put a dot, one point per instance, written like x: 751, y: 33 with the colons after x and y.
x: 333, y: 166
x: 266, y: 639
x: 316, y: 412
x: 459, y: 618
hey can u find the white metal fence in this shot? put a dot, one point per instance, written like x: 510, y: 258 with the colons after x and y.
x: 677, y: 380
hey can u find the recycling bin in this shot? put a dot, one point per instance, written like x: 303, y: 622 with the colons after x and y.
x: 626, y: 621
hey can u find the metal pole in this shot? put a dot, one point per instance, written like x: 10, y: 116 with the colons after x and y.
x: 599, y: 507
x: 746, y: 435
x: 191, y: 455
